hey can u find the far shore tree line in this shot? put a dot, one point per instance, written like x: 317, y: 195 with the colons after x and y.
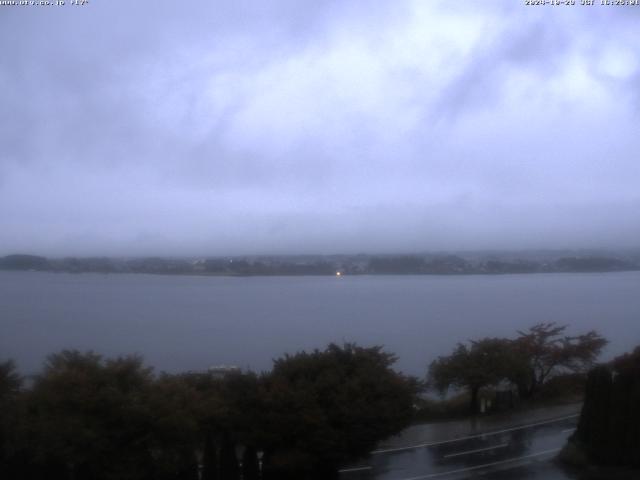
x: 330, y: 265
x: 85, y: 416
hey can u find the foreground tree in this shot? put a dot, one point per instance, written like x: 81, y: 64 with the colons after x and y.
x: 544, y: 351
x: 229, y: 413
x: 88, y: 418
x: 528, y: 361
x: 481, y: 364
x: 173, y: 435
x: 10, y: 380
x: 608, y: 431
x: 326, y: 407
x: 10, y: 385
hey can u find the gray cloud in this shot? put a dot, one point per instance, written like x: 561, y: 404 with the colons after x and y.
x: 239, y: 127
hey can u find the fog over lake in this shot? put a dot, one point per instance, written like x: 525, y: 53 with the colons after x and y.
x: 189, y: 323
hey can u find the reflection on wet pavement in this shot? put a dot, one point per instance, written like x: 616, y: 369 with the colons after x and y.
x: 515, y: 452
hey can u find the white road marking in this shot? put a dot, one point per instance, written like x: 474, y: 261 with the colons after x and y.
x: 568, y: 430
x: 355, y: 469
x: 468, y: 452
x: 485, y: 465
x: 469, y: 437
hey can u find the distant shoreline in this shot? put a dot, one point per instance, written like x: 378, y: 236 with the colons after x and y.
x: 310, y: 275
x: 328, y: 265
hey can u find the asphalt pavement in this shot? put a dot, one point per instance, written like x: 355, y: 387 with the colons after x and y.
x: 505, y: 447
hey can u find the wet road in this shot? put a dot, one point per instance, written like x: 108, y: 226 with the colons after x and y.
x: 515, y: 452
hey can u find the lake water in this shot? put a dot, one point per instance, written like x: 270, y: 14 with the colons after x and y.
x: 189, y: 323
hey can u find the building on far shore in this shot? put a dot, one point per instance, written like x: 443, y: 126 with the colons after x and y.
x: 221, y: 371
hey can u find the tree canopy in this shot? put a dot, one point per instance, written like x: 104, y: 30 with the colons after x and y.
x: 484, y: 362
x: 86, y: 416
x: 609, y: 428
x: 10, y: 385
x: 335, y: 404
x: 544, y: 350
x: 528, y: 361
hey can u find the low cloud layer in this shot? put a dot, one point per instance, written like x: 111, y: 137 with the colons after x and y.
x: 340, y: 126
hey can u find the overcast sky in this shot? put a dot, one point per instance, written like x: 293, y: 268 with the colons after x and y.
x: 210, y: 127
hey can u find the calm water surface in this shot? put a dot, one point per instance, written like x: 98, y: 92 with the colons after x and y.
x: 185, y: 322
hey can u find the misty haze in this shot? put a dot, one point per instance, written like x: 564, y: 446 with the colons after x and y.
x: 226, y: 128
x: 319, y: 240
